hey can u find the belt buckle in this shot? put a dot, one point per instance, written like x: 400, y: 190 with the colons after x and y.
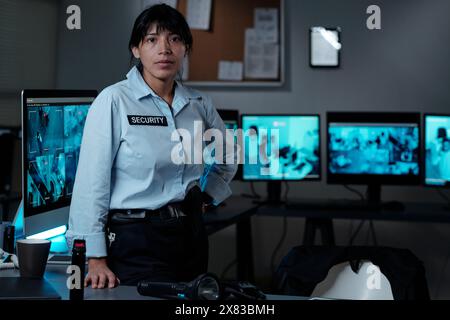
x: 173, y: 211
x: 168, y: 214
x: 177, y: 211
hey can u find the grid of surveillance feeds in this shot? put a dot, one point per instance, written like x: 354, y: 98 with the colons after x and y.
x: 54, y: 133
x: 374, y: 149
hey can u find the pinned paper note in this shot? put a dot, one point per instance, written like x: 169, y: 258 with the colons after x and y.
x: 325, y: 47
x: 198, y: 14
x: 266, y: 21
x: 230, y: 70
x: 261, y: 58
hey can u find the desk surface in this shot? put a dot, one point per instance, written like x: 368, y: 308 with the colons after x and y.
x: 56, y: 275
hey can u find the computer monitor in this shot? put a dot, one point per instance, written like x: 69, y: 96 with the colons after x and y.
x: 52, y: 123
x: 231, y: 120
x: 373, y: 149
x: 281, y: 148
x: 437, y: 150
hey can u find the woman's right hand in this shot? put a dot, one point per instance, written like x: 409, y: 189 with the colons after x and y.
x: 99, y: 275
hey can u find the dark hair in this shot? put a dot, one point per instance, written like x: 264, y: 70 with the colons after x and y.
x: 166, y: 18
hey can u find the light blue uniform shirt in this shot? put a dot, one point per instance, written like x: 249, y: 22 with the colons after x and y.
x: 125, y: 166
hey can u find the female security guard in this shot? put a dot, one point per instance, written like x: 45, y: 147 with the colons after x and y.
x: 137, y: 209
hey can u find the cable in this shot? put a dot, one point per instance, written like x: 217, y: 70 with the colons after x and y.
x: 227, y: 268
x: 358, y: 229
x: 286, y: 192
x: 356, y: 232
x: 354, y: 191
x: 277, y: 248
x: 371, y: 231
x: 443, y: 195
x: 374, y: 236
x: 254, y: 195
x: 350, y: 233
x: 367, y: 236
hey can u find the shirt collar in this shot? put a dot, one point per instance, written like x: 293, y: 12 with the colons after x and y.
x: 141, y: 90
x: 182, y: 97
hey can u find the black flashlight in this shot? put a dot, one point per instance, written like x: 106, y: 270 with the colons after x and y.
x: 204, y: 287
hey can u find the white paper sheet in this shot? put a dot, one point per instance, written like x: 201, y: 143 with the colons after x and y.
x: 198, y: 14
x: 230, y: 70
x: 325, y: 47
x: 266, y: 21
x: 261, y: 58
x: 148, y: 3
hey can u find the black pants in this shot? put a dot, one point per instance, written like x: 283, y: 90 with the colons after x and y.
x: 156, y: 249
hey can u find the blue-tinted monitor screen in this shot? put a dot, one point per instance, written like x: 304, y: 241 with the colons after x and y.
x: 373, y: 149
x: 281, y: 147
x: 54, y: 128
x: 437, y: 150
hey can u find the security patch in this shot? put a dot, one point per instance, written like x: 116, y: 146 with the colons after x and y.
x: 158, y: 121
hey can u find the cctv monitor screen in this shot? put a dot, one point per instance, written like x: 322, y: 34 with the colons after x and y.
x: 437, y: 150
x: 281, y: 147
x: 53, y: 123
x: 379, y: 145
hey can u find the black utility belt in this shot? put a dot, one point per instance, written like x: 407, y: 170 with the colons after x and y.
x: 168, y: 212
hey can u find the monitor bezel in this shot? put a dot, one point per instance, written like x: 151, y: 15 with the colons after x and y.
x: 424, y: 126
x: 319, y: 178
x: 33, y: 93
x: 232, y: 114
x: 228, y: 114
x: 373, y: 117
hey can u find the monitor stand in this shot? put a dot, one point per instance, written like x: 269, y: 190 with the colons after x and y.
x: 18, y: 222
x: 374, y: 200
x: 58, y: 244
x: 274, y: 192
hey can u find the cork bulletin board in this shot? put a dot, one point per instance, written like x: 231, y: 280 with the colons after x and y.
x: 225, y: 41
